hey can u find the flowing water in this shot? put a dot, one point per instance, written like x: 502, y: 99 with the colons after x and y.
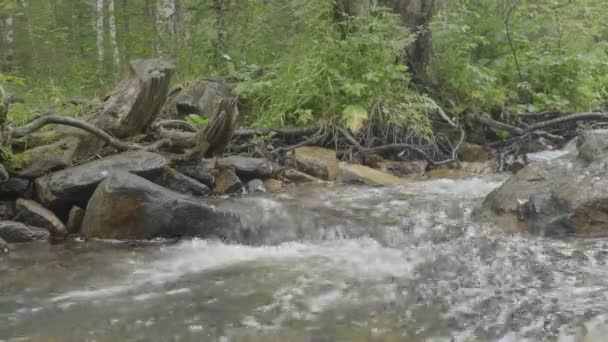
x: 323, y: 263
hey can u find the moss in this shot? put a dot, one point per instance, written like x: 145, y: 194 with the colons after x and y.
x: 14, y: 162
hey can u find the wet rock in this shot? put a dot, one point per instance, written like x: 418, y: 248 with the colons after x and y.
x: 17, y: 232
x: 515, y: 163
x: 227, y: 182
x: 3, y: 174
x: 125, y: 206
x: 3, y: 246
x: 16, y: 188
x: 402, y: 168
x: 475, y: 153
x: 61, y: 190
x: 248, y: 168
x: 273, y: 185
x: 41, y: 160
x: 199, y: 170
x: 183, y: 184
x: 592, y: 145
x: 255, y: 185
x: 298, y: 177
x: 318, y: 162
x: 36, y: 215
x: 555, y: 197
x: 75, y: 219
x: 7, y: 210
x: 360, y: 174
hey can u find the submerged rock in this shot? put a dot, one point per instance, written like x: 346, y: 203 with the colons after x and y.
x: 316, y: 161
x: 359, y: 174
x: 125, y: 206
x: 36, y: 215
x: 555, y: 197
x: 183, y: 184
x: 17, y: 232
x: 273, y: 185
x: 248, y: 168
x: 75, y: 219
x: 61, y: 190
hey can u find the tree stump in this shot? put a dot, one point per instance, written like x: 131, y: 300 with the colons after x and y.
x: 137, y: 100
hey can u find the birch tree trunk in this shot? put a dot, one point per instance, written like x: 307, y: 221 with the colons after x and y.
x: 100, y: 35
x: 112, y: 26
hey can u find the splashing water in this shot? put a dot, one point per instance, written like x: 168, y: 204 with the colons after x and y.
x: 325, y: 263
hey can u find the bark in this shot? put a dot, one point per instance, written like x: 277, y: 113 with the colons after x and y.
x: 112, y: 26
x: 8, y: 38
x: 213, y: 139
x: 100, y: 35
x: 136, y: 101
x: 416, y: 15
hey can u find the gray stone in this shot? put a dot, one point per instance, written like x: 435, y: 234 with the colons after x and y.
x: 62, y: 190
x: 227, y: 182
x: 317, y: 161
x: 199, y: 170
x: 36, y: 215
x: 125, y: 206
x: 16, y: 188
x: 592, y: 145
x: 183, y: 184
x: 41, y: 160
x: 16, y: 232
x: 555, y: 197
x: 256, y: 185
x: 248, y: 169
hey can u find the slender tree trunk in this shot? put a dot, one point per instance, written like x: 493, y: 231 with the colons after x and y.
x: 218, y: 8
x: 100, y: 35
x: 126, y: 29
x: 151, y: 15
x: 112, y: 25
x: 165, y: 22
x: 8, y: 43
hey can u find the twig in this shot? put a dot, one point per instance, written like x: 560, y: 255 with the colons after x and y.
x: 306, y: 142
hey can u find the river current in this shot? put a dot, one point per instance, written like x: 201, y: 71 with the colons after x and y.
x: 318, y: 263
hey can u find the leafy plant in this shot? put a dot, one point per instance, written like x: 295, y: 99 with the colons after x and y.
x: 197, y: 120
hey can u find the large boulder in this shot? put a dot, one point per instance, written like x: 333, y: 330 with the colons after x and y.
x: 125, y: 206
x: 41, y: 160
x: 316, y: 161
x: 248, y: 168
x: 36, y: 215
x: 61, y: 190
x: 568, y: 195
x: 360, y: 174
x: 17, y: 232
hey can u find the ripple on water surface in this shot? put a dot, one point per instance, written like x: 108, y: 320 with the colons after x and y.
x: 323, y: 264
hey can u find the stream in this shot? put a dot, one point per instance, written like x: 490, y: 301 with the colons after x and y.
x: 318, y: 263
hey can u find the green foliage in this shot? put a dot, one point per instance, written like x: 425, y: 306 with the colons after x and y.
x: 520, y: 55
x: 197, y: 120
x: 335, y: 73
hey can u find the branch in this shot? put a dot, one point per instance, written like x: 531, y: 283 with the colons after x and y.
x: 120, y: 145
x: 572, y: 118
x: 283, y: 133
